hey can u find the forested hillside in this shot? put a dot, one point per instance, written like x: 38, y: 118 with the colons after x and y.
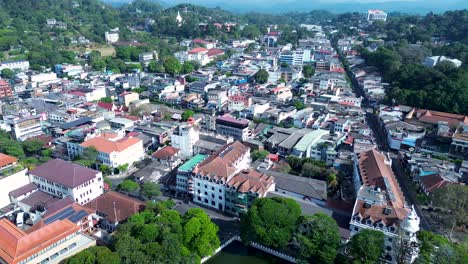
x: 409, y: 39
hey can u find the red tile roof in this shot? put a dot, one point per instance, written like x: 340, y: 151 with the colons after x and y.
x: 116, y: 206
x: 252, y: 181
x: 378, y: 175
x: 433, y: 182
x: 108, y: 146
x: 16, y: 245
x: 107, y: 106
x: 6, y: 160
x: 215, y: 52
x: 433, y: 117
x: 221, y: 163
x: 197, y: 50
x: 165, y: 153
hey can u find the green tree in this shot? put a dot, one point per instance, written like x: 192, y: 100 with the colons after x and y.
x: 250, y: 32
x: 453, y: 198
x: 261, y: 76
x: 308, y: 71
x: 98, y: 65
x: 32, y: 146
x: 8, y: 73
x: 155, y: 66
x: 108, y: 181
x: 319, y: 238
x: 310, y: 170
x: 299, y: 105
x: 94, y: 255
x: 187, y: 67
x: 281, y: 80
x: 438, y: 249
x: 187, y: 114
x: 172, y: 66
x: 271, y: 222
x: 106, y: 170
x: 150, y: 189
x: 106, y: 100
x: 259, y: 154
x: 128, y: 186
x: 123, y: 167
x: 200, y: 233
x: 12, y: 148
x: 366, y: 247
x: 332, y: 180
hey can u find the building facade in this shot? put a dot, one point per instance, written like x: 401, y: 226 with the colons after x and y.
x: 63, y: 178
x: 184, y: 138
x: 380, y: 205
x: 228, y: 125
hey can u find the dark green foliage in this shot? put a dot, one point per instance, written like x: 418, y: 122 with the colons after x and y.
x: 319, y: 238
x: 308, y: 71
x: 261, y: 76
x: 259, y: 154
x: 166, y: 237
x: 94, y: 255
x: 187, y: 114
x: 106, y: 100
x: 8, y: 73
x: 271, y: 222
x: 366, y: 246
x: 128, y: 186
x: 150, y: 189
x: 437, y: 249
x: 32, y: 146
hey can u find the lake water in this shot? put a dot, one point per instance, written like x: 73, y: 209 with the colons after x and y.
x: 237, y: 253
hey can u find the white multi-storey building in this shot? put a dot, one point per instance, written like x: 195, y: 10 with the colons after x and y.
x: 113, y: 149
x: 184, y: 138
x: 22, y: 65
x: 380, y: 205
x: 374, y: 15
x: 211, y: 175
x: 63, y: 178
x: 24, y: 126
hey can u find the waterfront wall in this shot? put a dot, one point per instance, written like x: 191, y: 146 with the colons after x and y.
x: 254, y: 245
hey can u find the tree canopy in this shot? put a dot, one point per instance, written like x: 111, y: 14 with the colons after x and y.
x: 271, y: 222
x: 366, y: 246
x: 261, y: 76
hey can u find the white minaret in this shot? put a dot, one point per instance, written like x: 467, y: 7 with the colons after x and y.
x: 179, y: 19
x: 410, y: 226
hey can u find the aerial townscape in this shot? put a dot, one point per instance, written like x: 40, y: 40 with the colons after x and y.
x: 142, y: 132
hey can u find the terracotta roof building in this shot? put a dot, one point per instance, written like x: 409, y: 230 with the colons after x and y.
x: 380, y: 204
x: 114, y: 208
x: 114, y: 150
x: 7, y: 161
x: 63, y: 178
x: 211, y: 175
x: 430, y: 117
x: 51, y: 243
x: 168, y: 155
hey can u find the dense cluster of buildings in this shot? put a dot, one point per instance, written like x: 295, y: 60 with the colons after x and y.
x: 65, y: 207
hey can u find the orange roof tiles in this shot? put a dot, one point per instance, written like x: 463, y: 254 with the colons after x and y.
x: 252, y: 181
x: 6, y: 160
x: 220, y: 164
x: 105, y: 145
x: 376, y: 173
x: 116, y: 206
x: 197, y: 50
x: 15, y: 245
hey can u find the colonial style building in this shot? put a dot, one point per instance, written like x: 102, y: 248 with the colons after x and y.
x: 211, y: 175
x: 228, y: 125
x: 63, y: 178
x: 380, y: 205
x: 114, y: 149
x: 52, y: 243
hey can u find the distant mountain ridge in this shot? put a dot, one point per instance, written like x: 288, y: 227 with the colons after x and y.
x: 281, y: 6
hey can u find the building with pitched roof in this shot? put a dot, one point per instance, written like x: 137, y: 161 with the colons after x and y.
x: 113, y: 208
x: 49, y: 244
x: 12, y: 176
x: 228, y: 125
x: 244, y: 188
x: 380, y: 205
x: 114, y: 149
x: 63, y: 178
x: 212, y: 174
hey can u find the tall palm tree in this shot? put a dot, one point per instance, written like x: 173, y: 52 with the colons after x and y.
x: 332, y: 180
